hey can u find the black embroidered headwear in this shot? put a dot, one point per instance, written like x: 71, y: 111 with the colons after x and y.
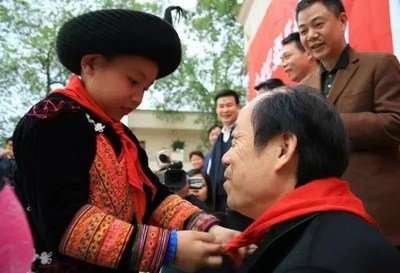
x: 119, y: 31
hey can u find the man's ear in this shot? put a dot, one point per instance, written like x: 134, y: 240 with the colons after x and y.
x: 89, y: 62
x: 287, y: 150
x: 343, y: 21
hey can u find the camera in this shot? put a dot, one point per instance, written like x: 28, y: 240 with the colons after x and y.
x: 171, y: 173
x: 195, y: 183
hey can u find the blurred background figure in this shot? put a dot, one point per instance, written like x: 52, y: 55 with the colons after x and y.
x: 268, y: 85
x: 200, y: 186
x: 213, y: 133
x: 296, y: 61
x: 7, y: 163
x: 196, y: 158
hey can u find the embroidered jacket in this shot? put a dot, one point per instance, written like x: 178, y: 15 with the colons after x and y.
x: 72, y: 180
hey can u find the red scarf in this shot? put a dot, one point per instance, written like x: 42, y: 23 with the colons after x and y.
x: 136, y: 177
x: 329, y: 194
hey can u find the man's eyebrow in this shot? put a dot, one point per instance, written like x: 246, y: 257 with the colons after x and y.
x: 312, y: 20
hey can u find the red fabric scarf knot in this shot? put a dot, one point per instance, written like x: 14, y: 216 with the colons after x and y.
x: 329, y: 194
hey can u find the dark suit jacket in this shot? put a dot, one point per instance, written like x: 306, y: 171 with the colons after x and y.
x: 367, y: 96
x: 328, y: 242
x: 217, y: 172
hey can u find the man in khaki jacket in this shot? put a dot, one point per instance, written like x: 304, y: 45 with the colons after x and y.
x: 365, y: 88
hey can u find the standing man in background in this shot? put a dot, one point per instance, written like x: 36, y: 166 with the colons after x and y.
x: 296, y: 61
x: 365, y: 89
x: 227, y: 109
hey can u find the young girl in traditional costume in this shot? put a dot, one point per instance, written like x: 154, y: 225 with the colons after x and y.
x: 93, y: 203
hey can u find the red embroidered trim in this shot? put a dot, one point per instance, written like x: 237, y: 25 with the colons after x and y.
x: 109, y: 188
x: 96, y: 237
x: 149, y: 249
x: 138, y: 246
x: 173, y: 212
x: 203, y: 222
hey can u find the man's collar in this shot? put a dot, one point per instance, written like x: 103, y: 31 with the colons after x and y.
x: 228, y: 129
x: 342, y: 63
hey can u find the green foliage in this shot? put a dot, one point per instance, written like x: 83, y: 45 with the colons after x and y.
x: 212, y: 43
x: 214, y: 60
x: 28, y: 61
x: 178, y: 144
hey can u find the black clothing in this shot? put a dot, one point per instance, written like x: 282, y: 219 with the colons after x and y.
x: 56, y: 154
x: 217, y: 172
x: 197, y: 202
x: 327, y: 77
x: 328, y: 242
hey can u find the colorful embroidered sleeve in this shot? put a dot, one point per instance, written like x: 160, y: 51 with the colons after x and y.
x: 177, y: 213
x: 102, y: 239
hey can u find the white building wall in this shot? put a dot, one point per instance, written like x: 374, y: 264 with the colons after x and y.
x: 159, y: 134
x: 250, y: 16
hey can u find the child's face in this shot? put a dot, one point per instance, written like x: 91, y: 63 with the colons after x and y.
x: 118, y: 85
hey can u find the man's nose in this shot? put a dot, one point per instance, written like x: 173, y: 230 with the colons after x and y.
x: 312, y: 34
x: 225, y: 158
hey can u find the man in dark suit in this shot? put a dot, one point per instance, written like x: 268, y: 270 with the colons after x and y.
x: 365, y: 89
x: 227, y: 109
x: 289, y: 149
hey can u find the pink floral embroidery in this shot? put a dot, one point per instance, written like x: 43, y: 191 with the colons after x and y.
x: 49, y: 108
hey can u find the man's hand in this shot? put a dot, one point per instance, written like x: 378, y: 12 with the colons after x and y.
x: 196, y: 250
x: 225, y: 235
x: 7, y: 153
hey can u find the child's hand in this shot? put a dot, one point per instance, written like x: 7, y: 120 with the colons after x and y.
x: 196, y: 250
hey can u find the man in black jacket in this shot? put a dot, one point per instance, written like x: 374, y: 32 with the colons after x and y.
x: 227, y: 109
x: 289, y: 149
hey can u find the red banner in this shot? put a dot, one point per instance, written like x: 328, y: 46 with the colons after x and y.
x: 369, y: 29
